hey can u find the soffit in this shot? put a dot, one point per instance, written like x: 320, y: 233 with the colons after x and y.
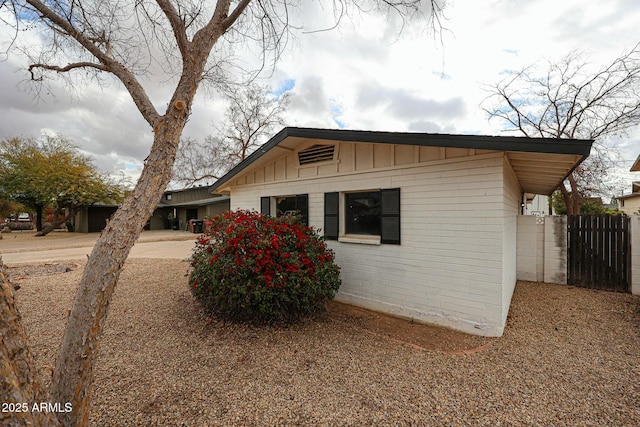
x: 541, y: 173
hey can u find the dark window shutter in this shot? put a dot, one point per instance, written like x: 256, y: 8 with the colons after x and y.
x: 331, y: 215
x: 302, y: 204
x: 390, y: 217
x: 265, y: 205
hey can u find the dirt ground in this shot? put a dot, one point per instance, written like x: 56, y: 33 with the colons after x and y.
x: 400, y: 331
x: 569, y: 356
x: 406, y: 332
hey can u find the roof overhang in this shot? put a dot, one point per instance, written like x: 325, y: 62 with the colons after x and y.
x: 540, y: 164
x: 200, y: 202
x: 628, y: 196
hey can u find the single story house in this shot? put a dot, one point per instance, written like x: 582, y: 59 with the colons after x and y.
x: 93, y: 218
x: 424, y: 226
x: 630, y: 203
x: 177, y: 207
x: 174, y: 210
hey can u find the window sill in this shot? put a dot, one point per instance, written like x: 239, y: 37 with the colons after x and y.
x: 363, y: 240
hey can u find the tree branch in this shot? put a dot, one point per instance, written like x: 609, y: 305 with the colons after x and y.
x: 226, y: 24
x: 128, y: 79
x: 177, y: 25
x: 64, y: 69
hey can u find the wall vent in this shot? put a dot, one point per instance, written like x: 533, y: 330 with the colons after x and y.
x: 315, y: 154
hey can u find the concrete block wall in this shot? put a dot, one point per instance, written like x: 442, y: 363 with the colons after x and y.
x: 542, y: 249
x: 530, y: 248
x: 555, y: 249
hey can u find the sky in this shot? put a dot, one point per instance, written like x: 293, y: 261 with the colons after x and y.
x: 365, y: 74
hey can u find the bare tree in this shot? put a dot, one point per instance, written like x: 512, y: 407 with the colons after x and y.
x: 254, y: 112
x: 567, y: 100
x: 181, y: 42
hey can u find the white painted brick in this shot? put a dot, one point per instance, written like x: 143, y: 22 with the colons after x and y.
x: 455, y: 254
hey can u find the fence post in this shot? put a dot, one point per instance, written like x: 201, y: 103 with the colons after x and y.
x: 634, y: 226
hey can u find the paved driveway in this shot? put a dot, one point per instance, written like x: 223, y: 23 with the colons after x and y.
x: 151, y: 244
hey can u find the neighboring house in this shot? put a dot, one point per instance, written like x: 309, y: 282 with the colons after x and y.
x: 536, y: 205
x: 630, y: 204
x: 186, y: 204
x: 423, y: 225
x: 91, y: 219
x: 181, y: 205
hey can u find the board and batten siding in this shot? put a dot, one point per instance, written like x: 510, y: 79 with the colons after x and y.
x: 453, y: 266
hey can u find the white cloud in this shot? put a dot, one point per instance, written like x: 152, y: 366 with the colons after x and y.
x: 361, y: 75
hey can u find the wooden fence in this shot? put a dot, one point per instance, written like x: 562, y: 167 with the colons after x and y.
x: 599, y: 252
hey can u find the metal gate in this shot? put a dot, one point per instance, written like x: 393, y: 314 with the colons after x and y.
x: 598, y: 252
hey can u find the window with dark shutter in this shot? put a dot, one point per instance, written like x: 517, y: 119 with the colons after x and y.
x: 390, y: 216
x: 265, y: 205
x: 331, y: 215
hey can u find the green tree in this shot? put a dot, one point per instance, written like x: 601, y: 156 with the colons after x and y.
x: 8, y: 207
x: 139, y: 43
x: 589, y: 206
x: 52, y: 172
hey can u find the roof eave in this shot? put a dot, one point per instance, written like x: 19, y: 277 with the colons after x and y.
x: 498, y: 143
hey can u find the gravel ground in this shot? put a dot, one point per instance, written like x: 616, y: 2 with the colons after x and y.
x: 568, y: 356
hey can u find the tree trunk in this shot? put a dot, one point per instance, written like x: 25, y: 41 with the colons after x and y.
x: 57, y: 221
x: 19, y: 385
x: 566, y: 197
x: 39, y: 210
x: 73, y: 374
x: 572, y: 199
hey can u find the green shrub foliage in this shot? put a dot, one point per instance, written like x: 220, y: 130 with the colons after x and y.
x: 260, y: 269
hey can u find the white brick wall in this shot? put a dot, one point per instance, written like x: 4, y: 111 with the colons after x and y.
x: 455, y: 256
x: 512, y: 195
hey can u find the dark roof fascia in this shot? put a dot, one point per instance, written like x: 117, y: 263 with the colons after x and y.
x: 580, y: 147
x: 277, y: 139
x: 199, y: 202
x: 628, y: 196
x: 184, y: 190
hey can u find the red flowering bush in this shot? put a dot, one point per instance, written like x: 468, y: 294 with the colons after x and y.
x: 249, y: 267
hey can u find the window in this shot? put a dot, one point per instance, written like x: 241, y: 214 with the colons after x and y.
x: 287, y: 205
x: 362, y: 213
x: 365, y: 213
